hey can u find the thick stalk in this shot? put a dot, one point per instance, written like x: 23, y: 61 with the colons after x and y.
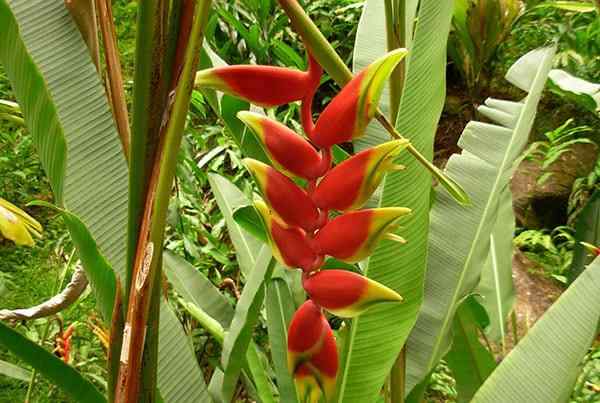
x: 149, y: 100
x: 395, y: 18
x: 145, y: 288
x: 328, y: 58
x: 114, y: 76
x: 398, y: 378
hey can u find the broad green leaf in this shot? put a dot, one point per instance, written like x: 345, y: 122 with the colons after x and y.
x: 280, y: 309
x: 459, y: 240
x: 370, y: 44
x: 229, y: 198
x: 496, y: 284
x: 471, y: 363
x: 51, y: 367
x: 257, y: 366
x: 239, y: 335
x: 194, y: 287
x: 14, y: 371
x: 180, y: 378
x: 250, y: 221
x: 587, y: 229
x: 544, y: 366
x: 66, y: 111
x: 373, y: 347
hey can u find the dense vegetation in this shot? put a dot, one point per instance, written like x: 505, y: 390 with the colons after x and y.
x: 567, y: 128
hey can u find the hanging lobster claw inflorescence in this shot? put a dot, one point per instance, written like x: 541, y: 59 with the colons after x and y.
x: 300, y: 190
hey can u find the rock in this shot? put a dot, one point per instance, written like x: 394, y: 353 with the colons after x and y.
x: 545, y: 205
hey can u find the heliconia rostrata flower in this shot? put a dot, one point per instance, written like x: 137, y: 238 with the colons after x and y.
x: 301, y: 192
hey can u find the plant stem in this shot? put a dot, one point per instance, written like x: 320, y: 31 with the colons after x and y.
x: 114, y: 76
x: 84, y: 15
x: 145, y: 289
x: 513, y: 319
x: 398, y: 378
x: 395, y: 18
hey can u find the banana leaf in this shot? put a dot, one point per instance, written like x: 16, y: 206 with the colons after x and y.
x: 459, y: 240
x: 496, y: 285
x: 370, y: 348
x: 545, y: 364
x: 65, y: 108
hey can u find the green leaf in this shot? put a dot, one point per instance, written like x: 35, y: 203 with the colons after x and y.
x: 250, y: 220
x: 257, y: 366
x: 587, y: 229
x: 577, y: 6
x: 51, y: 367
x: 229, y: 198
x: 544, y: 366
x: 470, y: 362
x: 456, y: 257
x: 72, y: 127
x: 194, y: 287
x: 280, y: 309
x: 98, y: 271
x: 14, y: 371
x: 371, y: 44
x: 373, y: 348
x: 180, y: 378
x: 496, y: 283
x: 239, y: 336
x: 581, y: 91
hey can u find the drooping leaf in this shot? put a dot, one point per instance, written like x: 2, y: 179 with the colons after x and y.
x: 67, y: 378
x: 496, y: 284
x: 545, y: 364
x: 239, y: 335
x: 229, y: 198
x: 581, y: 91
x: 484, y: 168
x: 72, y: 127
x: 471, y: 363
x: 14, y: 371
x: 587, y: 229
x: 373, y: 348
x: 194, y: 287
x: 180, y: 378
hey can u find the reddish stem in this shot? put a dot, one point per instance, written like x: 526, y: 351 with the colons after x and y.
x: 314, y: 73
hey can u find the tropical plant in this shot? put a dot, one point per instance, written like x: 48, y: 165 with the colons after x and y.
x: 479, y: 27
x: 558, y: 142
x: 113, y: 183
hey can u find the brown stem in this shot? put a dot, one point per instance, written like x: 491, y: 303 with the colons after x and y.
x: 114, y: 76
x: 84, y: 15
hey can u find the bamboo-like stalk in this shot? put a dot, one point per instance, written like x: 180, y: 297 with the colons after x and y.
x: 114, y: 75
x: 146, y: 269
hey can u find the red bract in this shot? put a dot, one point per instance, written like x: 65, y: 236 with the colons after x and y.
x: 346, y: 294
x: 266, y: 86
x: 286, y: 198
x: 290, y: 245
x: 288, y: 151
x: 347, y: 115
x: 353, y: 236
x: 350, y: 184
